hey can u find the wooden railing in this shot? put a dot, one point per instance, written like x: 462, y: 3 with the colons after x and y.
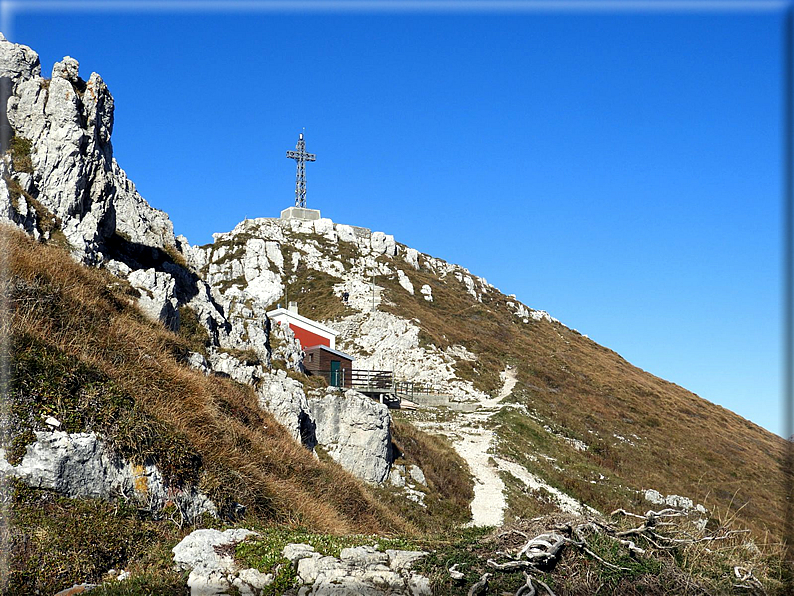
x: 362, y: 380
x: 410, y: 388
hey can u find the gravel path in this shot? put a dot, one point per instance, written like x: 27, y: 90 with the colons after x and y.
x: 472, y: 440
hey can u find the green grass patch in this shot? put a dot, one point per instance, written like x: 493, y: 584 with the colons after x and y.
x: 47, y: 223
x: 148, y: 584
x: 20, y: 150
x: 192, y: 331
x: 314, y: 292
x: 524, y: 503
x: 265, y: 551
x: 57, y: 542
x: 450, y: 484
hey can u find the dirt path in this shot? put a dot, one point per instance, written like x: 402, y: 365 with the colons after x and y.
x: 488, y: 505
x: 473, y: 441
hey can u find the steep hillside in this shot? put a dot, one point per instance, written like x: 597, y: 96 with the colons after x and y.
x: 579, y: 416
x: 150, y: 395
x: 83, y: 355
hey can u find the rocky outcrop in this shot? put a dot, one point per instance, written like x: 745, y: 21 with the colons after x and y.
x: 250, y: 267
x: 71, y: 182
x: 158, y: 299
x: 361, y: 570
x: 207, y: 554
x: 676, y: 501
x: 355, y: 431
x: 69, y: 123
x: 384, y: 341
x: 226, y: 364
x: 18, y: 63
x: 285, y: 399
x: 80, y: 465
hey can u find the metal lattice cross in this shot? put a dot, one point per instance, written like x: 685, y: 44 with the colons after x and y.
x: 301, y: 157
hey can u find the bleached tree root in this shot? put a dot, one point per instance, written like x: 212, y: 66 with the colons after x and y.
x: 528, y: 589
x: 747, y: 580
x: 657, y: 528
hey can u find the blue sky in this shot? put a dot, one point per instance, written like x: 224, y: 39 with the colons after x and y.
x: 621, y: 170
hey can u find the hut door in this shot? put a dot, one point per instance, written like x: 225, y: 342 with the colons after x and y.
x: 336, y: 376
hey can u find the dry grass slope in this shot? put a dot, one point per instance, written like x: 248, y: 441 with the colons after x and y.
x: 642, y: 432
x: 687, y: 446
x: 81, y: 317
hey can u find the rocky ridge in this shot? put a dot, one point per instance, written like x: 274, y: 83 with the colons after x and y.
x: 250, y: 268
x: 67, y: 183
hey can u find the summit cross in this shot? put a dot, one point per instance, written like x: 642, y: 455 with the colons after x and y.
x: 300, y: 156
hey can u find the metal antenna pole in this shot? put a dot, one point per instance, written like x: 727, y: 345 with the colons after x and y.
x: 301, y: 157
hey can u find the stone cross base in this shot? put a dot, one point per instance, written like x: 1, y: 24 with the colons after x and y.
x: 300, y: 213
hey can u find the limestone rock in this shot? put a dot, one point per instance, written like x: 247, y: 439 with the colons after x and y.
x: 383, y: 244
x: 396, y: 478
x: 297, y: 551
x: 285, y: 399
x: 262, y: 282
x: 676, y: 501
x: 69, y: 123
x: 135, y: 219
x: 403, y: 280
x: 345, y: 233
x: 70, y: 175
x: 68, y: 69
x: 158, y: 299
x: 427, y: 292
x: 212, y: 570
x: 542, y: 315
x: 414, y: 495
x: 17, y: 62
x: 199, y: 362
x: 361, y: 570
x: 209, y: 314
x: 325, y: 227
x: 225, y: 363
x: 654, y: 496
x: 80, y: 465
x: 412, y: 257
x: 363, y: 556
x: 402, y: 560
x: 355, y: 431
x: 416, y: 474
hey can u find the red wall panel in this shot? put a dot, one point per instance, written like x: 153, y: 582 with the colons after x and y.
x: 307, y: 338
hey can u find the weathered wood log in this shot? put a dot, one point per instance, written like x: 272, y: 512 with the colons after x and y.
x: 454, y: 573
x: 527, y: 589
x: 481, y: 587
x: 511, y: 565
